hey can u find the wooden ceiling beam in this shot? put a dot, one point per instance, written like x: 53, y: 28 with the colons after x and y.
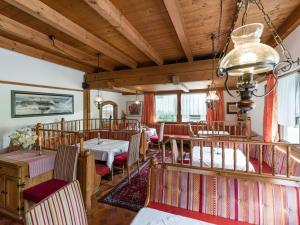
x: 184, y: 72
x: 173, y: 9
x: 40, y: 54
x: 53, y: 18
x: 115, y: 17
x: 292, y: 22
x: 24, y: 32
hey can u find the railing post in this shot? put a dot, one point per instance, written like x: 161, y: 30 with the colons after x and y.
x: 38, y: 129
x: 110, y: 123
x: 248, y: 127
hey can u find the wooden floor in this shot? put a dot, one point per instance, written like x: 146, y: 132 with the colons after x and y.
x: 101, y: 214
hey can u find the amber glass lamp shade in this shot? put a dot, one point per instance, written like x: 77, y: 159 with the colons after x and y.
x: 249, y: 55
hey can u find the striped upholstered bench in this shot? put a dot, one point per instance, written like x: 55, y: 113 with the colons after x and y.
x: 62, y: 207
x: 209, y: 198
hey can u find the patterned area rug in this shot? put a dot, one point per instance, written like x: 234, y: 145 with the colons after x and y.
x: 130, y: 196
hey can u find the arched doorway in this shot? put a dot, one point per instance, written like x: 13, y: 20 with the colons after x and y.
x: 107, y: 109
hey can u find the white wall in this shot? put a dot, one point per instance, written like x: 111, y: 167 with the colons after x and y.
x: 107, y: 96
x: 17, y: 67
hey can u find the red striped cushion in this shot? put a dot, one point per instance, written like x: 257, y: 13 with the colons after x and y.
x: 241, y: 200
x: 64, y: 207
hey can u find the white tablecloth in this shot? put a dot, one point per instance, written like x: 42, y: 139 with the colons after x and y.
x: 107, y: 149
x: 148, y: 216
x: 229, y: 160
x: 150, y: 132
x: 212, y: 132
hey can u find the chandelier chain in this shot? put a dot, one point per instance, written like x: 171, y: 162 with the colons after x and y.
x: 234, y: 21
x: 275, y: 34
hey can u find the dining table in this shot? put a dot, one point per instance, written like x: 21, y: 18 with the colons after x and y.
x: 213, y: 132
x: 217, y: 160
x: 106, y: 149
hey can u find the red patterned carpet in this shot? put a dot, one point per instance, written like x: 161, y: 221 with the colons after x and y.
x: 130, y: 196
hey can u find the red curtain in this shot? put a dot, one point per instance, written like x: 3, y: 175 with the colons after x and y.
x: 217, y: 114
x: 270, y: 123
x: 148, y: 115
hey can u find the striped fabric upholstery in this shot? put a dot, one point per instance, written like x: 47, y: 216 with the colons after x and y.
x: 66, y: 163
x: 134, y: 149
x: 64, y: 207
x: 248, y: 201
x: 161, y: 132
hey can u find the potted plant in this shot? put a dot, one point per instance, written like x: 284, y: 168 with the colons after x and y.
x: 23, y: 138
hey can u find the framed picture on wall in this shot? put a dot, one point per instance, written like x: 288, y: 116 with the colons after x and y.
x: 133, y: 109
x: 232, y: 108
x: 30, y: 104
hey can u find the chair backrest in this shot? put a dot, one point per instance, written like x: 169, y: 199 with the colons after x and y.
x: 161, y: 132
x: 175, y: 153
x: 64, y: 206
x: 134, y: 149
x: 191, y: 132
x: 65, y: 166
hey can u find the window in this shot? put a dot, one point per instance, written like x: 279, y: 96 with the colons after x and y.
x: 193, y: 107
x: 107, y: 111
x: 166, y: 108
x: 289, y: 107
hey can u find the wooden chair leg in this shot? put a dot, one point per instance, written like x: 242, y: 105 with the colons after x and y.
x: 128, y: 171
x: 112, y: 173
x: 123, y: 169
x: 138, y: 166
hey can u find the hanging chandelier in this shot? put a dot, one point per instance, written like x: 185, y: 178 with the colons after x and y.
x: 212, y: 96
x: 250, y: 58
x: 137, y: 101
x: 98, y: 100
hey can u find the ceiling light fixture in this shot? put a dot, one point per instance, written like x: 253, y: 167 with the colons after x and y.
x: 212, y: 96
x: 250, y: 57
x: 137, y: 101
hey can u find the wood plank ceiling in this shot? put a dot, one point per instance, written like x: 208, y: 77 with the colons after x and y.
x: 127, y: 33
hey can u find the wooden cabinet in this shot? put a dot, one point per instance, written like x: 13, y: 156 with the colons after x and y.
x: 12, y: 195
x: 12, y: 179
x: 2, y: 191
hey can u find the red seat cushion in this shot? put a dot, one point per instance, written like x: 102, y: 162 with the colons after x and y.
x: 102, y: 169
x: 121, y: 159
x: 154, y: 138
x: 43, y: 190
x: 195, y: 215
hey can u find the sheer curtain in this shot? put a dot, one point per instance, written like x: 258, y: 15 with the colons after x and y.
x: 193, y: 107
x: 166, y: 108
x: 288, y: 100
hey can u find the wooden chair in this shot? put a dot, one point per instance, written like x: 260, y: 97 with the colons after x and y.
x: 158, y: 140
x: 176, y: 157
x: 65, y: 206
x: 65, y: 169
x: 131, y: 157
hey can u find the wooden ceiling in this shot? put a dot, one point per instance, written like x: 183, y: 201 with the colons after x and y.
x: 128, y: 34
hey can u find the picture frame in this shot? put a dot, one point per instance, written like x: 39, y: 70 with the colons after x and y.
x: 232, y: 108
x: 33, y: 104
x: 133, y: 109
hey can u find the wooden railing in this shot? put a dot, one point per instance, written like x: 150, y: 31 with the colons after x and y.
x: 219, y: 128
x: 93, y: 124
x: 217, y: 149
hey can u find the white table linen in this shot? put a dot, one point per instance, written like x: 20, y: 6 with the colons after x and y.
x: 150, y: 132
x: 229, y: 158
x: 148, y: 216
x: 212, y: 132
x: 107, y: 149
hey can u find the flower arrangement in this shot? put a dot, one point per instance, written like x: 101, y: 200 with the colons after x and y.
x: 24, y: 137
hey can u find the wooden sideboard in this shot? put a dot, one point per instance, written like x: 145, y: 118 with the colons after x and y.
x: 14, y: 178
